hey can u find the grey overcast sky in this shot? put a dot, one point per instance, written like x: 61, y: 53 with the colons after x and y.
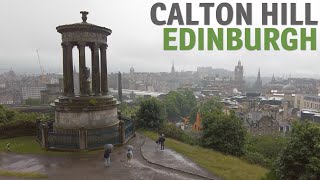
x: 135, y: 41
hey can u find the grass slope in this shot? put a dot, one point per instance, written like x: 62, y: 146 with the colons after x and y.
x: 29, y: 145
x: 22, y: 174
x: 228, y: 167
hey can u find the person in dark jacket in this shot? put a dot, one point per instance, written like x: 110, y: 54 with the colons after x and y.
x: 161, y: 141
x: 107, y: 159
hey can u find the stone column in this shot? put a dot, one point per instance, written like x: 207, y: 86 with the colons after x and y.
x: 70, y: 69
x: 65, y: 74
x: 95, y: 70
x: 82, y: 69
x: 104, y: 78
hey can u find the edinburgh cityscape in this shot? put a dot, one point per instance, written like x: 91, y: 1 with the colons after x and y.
x: 88, y: 91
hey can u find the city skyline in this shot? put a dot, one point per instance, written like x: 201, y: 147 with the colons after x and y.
x: 26, y: 30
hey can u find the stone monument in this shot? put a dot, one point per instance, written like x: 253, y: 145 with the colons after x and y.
x: 93, y: 108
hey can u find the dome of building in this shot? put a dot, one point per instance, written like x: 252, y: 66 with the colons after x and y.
x: 289, y: 88
x: 278, y: 87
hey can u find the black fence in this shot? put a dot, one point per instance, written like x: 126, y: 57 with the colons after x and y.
x: 100, y: 137
x: 38, y: 132
x: 65, y: 139
x: 129, y: 129
x: 80, y: 139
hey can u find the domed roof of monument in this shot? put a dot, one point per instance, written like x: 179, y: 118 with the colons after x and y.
x: 83, y: 26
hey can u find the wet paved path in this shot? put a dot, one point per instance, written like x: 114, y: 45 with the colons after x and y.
x: 171, y: 159
x: 91, y: 167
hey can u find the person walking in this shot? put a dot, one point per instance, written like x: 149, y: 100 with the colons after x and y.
x: 162, y: 140
x: 107, y: 158
x: 129, y: 157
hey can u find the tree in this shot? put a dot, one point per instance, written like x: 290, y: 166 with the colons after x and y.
x: 208, y: 106
x: 151, y: 114
x: 128, y: 110
x: 32, y: 102
x: 189, y: 103
x: 3, y: 117
x: 179, y: 103
x: 300, y: 159
x: 172, y: 103
x: 223, y: 132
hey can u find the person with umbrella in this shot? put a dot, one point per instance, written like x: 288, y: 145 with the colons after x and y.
x: 107, y: 160
x: 129, y: 155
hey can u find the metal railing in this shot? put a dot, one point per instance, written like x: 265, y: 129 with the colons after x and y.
x: 99, y: 137
x: 82, y: 138
x: 63, y: 140
x: 129, y: 129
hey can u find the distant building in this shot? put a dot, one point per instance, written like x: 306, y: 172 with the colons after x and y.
x: 131, y: 71
x: 204, y: 71
x: 257, y: 86
x: 264, y: 123
x: 264, y: 126
x: 51, y: 93
x: 238, y: 77
x: 172, y: 68
x: 33, y: 92
x: 197, y: 126
x: 6, y: 98
x: 308, y: 102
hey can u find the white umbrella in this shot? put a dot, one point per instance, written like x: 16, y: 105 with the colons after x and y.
x: 108, y: 146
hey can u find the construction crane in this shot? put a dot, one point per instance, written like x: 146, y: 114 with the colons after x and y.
x: 43, y: 78
x: 41, y: 68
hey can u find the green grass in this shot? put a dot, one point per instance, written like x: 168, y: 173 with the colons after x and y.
x: 22, y: 174
x: 228, y: 167
x: 29, y: 145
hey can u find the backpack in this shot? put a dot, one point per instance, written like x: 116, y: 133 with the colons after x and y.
x: 106, y: 154
x: 129, y: 154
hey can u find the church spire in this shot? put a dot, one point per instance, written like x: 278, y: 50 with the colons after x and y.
x: 258, y: 83
x: 172, y: 68
x: 273, y: 78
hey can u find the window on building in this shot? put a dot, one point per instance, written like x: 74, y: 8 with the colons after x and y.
x: 281, y: 129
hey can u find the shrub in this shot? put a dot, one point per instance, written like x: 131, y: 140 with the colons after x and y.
x: 17, y: 128
x: 170, y: 130
x: 93, y: 102
x: 269, y: 146
x: 14, y: 123
x: 256, y: 158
